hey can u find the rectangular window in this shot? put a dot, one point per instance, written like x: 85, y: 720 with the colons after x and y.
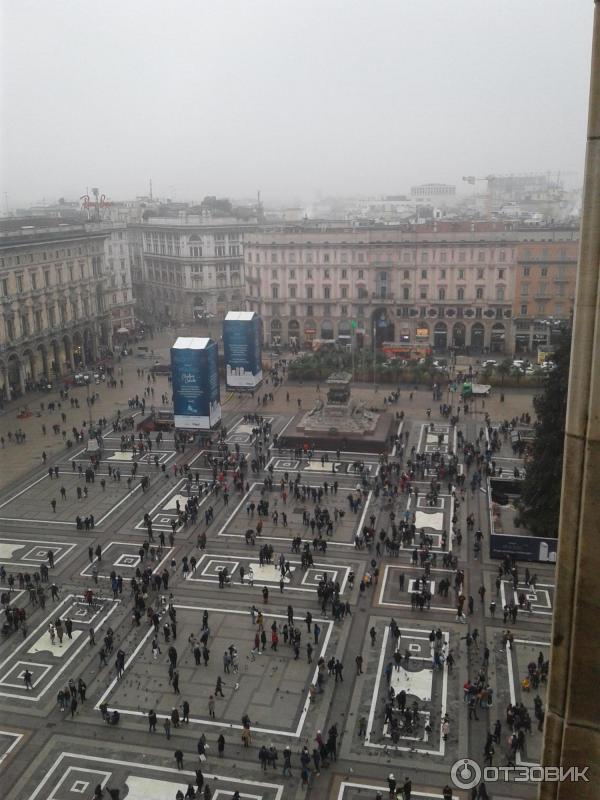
x: 327, y: 292
x: 524, y: 289
x: 423, y: 274
x: 273, y: 258
x: 544, y: 272
x: 501, y: 273
x: 274, y: 292
x: 274, y: 274
x: 543, y: 288
x: 309, y: 274
x: 526, y: 272
x: 4, y: 287
x: 558, y: 309
x: 502, y: 255
x: 293, y: 311
x: 361, y: 274
x: 443, y: 256
x: 309, y: 292
x: 309, y: 257
x: 326, y: 274
x: 424, y: 257
x: 423, y: 293
x: 443, y: 274
x: 406, y: 293
x: 309, y: 311
x: 479, y: 274
x: 292, y: 274
x: 292, y: 292
x: 33, y: 281
x: 344, y: 258
x: 344, y: 274
x: 406, y: 275
x: 361, y: 258
x: 344, y: 292
x: 460, y: 294
x: 524, y: 309
x: 19, y: 283
x: 461, y: 274
x: 462, y: 256
x: 481, y: 255
x: 326, y: 258
x: 344, y: 311
x: 479, y: 293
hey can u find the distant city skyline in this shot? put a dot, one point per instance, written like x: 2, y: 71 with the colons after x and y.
x: 230, y: 98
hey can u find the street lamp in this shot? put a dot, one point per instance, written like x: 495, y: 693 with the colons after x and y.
x: 89, y: 405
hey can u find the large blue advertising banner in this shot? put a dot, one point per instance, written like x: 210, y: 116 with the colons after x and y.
x: 242, y: 341
x: 195, y: 376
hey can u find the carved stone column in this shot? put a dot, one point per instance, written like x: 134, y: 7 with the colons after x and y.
x: 572, y: 728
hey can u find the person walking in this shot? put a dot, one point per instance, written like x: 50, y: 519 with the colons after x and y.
x: 221, y: 745
x: 178, y: 758
x: 167, y: 727
x: 211, y: 707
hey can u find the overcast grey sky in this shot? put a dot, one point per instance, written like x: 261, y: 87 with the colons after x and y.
x: 333, y: 96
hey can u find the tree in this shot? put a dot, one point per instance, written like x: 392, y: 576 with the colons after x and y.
x: 504, y: 369
x: 517, y: 374
x: 540, y: 498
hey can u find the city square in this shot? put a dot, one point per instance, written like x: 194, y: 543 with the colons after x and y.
x: 299, y: 430
x: 235, y: 574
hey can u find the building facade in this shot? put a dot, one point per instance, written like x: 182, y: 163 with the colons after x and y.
x: 545, y: 278
x: 54, y: 316
x: 118, y: 256
x: 188, y: 268
x: 442, y: 285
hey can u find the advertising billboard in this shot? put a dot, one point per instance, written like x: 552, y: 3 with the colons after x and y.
x: 242, y: 341
x: 196, y: 390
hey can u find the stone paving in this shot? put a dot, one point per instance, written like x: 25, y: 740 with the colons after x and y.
x: 52, y: 754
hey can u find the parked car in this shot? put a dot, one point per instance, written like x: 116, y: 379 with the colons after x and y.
x: 489, y: 363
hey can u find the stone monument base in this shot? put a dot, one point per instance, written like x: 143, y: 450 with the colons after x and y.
x: 331, y: 431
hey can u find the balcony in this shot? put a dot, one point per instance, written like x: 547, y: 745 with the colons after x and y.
x: 383, y: 297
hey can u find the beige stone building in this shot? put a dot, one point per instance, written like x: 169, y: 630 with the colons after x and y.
x: 545, y: 278
x: 442, y: 285
x: 189, y: 267
x: 54, y: 316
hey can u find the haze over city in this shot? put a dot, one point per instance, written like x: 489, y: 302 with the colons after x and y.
x: 299, y: 442
x: 294, y: 99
